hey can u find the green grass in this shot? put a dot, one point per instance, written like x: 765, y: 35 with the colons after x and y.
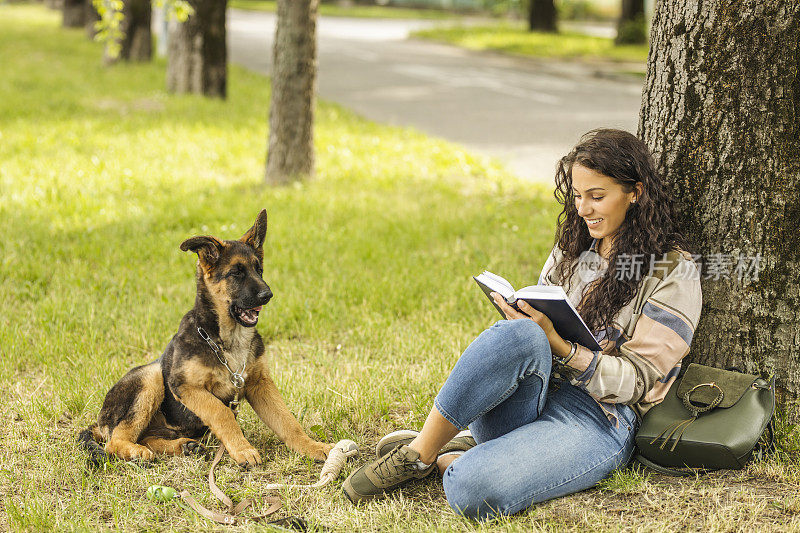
x: 102, y: 175
x: 516, y: 39
x: 359, y: 11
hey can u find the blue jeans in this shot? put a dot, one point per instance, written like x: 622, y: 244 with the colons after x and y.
x: 534, y: 444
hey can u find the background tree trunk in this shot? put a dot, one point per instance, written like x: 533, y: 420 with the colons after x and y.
x: 74, y: 12
x: 542, y: 16
x: 631, y: 26
x: 197, y: 58
x: 137, y: 42
x: 92, y: 16
x: 720, y: 109
x: 294, y: 76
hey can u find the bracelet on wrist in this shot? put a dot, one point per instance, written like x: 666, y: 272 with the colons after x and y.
x: 563, y: 361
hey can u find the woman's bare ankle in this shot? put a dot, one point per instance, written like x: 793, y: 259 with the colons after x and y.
x: 426, y: 456
x: 435, y: 433
x: 444, y: 461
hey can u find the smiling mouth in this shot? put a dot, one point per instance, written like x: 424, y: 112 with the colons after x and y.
x: 594, y: 222
x: 245, y: 317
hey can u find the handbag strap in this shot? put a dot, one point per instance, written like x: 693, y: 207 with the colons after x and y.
x: 675, y: 472
x: 769, y: 447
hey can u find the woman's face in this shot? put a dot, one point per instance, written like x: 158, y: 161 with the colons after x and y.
x: 601, y: 202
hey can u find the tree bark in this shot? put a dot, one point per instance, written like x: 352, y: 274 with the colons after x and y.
x: 137, y: 40
x: 92, y: 16
x: 294, y: 76
x: 631, y: 26
x: 197, y: 56
x: 542, y: 16
x: 74, y: 14
x: 720, y: 109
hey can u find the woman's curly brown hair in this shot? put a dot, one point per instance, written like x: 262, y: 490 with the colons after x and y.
x: 648, y: 227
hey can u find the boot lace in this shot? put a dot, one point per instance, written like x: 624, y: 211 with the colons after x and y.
x: 394, y: 464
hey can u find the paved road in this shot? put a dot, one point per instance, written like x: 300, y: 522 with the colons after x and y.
x: 527, y: 113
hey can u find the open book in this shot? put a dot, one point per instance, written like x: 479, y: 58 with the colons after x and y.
x: 548, y: 299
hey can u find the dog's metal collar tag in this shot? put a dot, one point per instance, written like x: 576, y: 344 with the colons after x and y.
x: 237, y: 380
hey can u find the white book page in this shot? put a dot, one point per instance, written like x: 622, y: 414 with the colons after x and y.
x: 544, y: 292
x: 496, y: 283
x: 497, y: 278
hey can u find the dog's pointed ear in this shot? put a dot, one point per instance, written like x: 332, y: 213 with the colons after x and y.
x: 255, y: 235
x: 207, y: 248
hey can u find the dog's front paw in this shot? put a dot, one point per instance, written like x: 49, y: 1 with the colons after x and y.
x: 142, y: 454
x: 192, y: 447
x: 246, y: 456
x: 129, y: 451
x: 319, y: 450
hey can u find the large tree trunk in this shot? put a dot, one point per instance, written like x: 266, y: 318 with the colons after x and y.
x: 542, y: 16
x: 137, y: 40
x: 721, y: 109
x: 197, y: 59
x: 294, y: 76
x: 631, y: 26
x: 74, y: 13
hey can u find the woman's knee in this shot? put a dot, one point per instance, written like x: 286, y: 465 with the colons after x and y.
x: 524, y: 337
x: 472, y: 494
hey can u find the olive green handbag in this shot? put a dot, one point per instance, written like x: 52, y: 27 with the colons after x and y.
x: 710, y: 419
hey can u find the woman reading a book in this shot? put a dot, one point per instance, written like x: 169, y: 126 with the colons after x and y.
x: 549, y: 417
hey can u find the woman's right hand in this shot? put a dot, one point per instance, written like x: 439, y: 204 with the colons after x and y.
x: 526, y: 311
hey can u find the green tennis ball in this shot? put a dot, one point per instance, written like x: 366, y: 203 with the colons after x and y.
x: 157, y: 493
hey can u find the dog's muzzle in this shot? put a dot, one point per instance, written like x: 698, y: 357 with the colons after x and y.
x: 246, y: 317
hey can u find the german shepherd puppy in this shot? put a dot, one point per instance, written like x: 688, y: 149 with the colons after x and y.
x: 164, y: 406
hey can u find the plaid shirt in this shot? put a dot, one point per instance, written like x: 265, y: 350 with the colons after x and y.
x: 648, y: 337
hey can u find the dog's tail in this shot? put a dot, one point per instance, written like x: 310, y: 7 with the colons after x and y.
x: 86, y: 440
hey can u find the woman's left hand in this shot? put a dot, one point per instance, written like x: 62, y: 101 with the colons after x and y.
x: 526, y: 311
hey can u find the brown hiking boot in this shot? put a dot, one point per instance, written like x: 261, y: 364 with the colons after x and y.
x: 384, y: 474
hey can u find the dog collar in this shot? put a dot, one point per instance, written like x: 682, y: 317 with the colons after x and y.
x: 237, y: 378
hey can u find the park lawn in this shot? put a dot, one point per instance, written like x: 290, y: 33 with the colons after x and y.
x: 358, y: 11
x: 514, y: 38
x: 103, y: 174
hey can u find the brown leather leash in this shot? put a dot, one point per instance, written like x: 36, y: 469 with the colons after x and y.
x: 330, y: 470
x: 232, y: 511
